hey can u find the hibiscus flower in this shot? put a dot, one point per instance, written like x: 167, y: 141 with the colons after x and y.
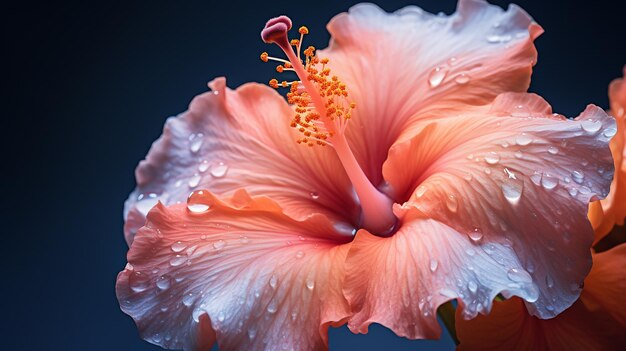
x: 596, y: 321
x: 422, y: 173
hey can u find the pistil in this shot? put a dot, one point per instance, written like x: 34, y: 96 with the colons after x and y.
x: 323, y: 111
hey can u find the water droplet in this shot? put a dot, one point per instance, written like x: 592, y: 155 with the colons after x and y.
x: 549, y: 281
x: 314, y: 195
x: 420, y: 191
x: 272, y: 307
x: 244, y: 239
x: 188, y: 299
x: 462, y: 78
x: 519, y: 275
x: 470, y: 251
x: 219, y: 170
x: 196, y: 142
x: 178, y: 260
x: 512, y: 191
x: 139, y: 281
x: 472, y: 286
x: 590, y: 125
x: 220, y: 244
x: 204, y: 165
x: 578, y: 176
x: 549, y: 182
x: 163, y: 282
x: 252, y: 332
x: 518, y: 154
x: 468, y: 176
x: 452, y: 203
x: 452, y: 61
x: 194, y: 181
x: 310, y: 284
x: 476, y: 234
x: 492, y: 158
x: 448, y: 292
x: 178, y: 246
x: 609, y: 132
x: 199, y: 201
x: 273, y: 281
x: 437, y: 75
x: 536, y: 178
x: 572, y: 192
x: 553, y: 150
x: 496, y: 39
x: 299, y: 254
x: 221, y: 316
x: 523, y: 139
x: 433, y: 265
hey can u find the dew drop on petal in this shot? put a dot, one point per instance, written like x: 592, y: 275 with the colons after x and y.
x: 437, y: 75
x: 178, y: 246
x: 199, y: 201
x: 219, y: 170
x: 609, y: 132
x: 272, y: 307
x: 188, y: 299
x: 476, y: 234
x: 523, y: 139
x: 139, y: 281
x: 553, y: 150
x: 314, y: 195
x: 196, y: 142
x: 273, y: 281
x: 221, y: 316
x: 518, y: 154
x: 572, y: 192
x: 536, y: 178
x: 310, y: 283
x: 194, y: 180
x: 549, y: 281
x: 204, y: 165
x: 163, y: 282
x: 433, y: 265
x: 251, y: 332
x: 244, y: 239
x: 178, y: 260
x: 220, y: 244
x: 492, y: 158
x: 452, y: 203
x: 299, y: 254
x: 590, y: 125
x: 462, y: 78
x: 549, y: 182
x: 472, y: 286
x: 578, y: 176
x: 519, y: 275
x: 512, y: 191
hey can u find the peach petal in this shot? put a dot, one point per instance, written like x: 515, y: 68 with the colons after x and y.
x: 511, y: 173
x: 390, y: 62
x: 243, y: 273
x: 400, y: 281
x: 590, y: 324
x: 229, y: 140
x: 607, y: 213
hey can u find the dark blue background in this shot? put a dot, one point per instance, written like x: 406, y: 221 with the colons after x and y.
x: 88, y: 87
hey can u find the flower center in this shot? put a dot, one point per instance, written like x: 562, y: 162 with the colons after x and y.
x: 322, y: 112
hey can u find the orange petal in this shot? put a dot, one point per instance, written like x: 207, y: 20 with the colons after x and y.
x: 606, y: 284
x: 608, y: 212
x: 399, y: 66
x: 513, y: 174
x: 595, y: 322
x: 229, y: 140
x: 243, y: 272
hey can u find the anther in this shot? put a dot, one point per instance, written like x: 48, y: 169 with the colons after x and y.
x: 264, y: 57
